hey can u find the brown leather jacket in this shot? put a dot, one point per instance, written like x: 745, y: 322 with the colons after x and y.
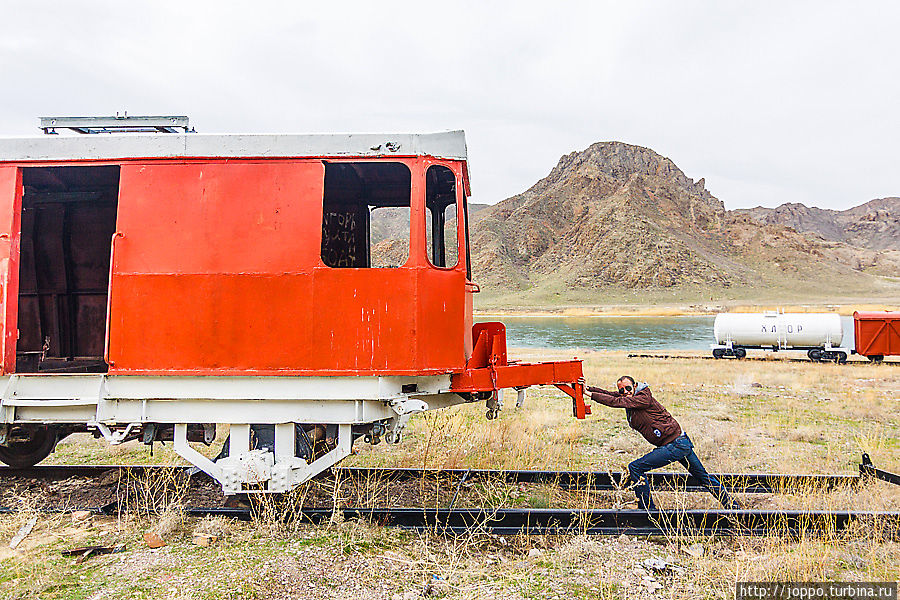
x: 645, y: 415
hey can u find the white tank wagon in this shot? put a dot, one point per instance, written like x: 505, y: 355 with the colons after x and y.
x: 820, y: 334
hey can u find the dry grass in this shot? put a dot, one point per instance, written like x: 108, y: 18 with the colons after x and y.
x: 753, y: 416
x: 763, y: 416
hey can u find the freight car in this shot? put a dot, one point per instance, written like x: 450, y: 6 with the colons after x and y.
x: 156, y: 283
x: 877, y: 334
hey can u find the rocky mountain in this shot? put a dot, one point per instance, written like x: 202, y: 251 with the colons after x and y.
x: 618, y: 215
x: 874, y: 225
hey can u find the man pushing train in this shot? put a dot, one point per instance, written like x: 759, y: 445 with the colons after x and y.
x: 651, y: 419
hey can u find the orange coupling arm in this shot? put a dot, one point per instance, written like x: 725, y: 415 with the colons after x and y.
x: 579, y: 409
x: 488, y: 369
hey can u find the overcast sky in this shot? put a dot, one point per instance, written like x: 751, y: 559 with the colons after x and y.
x: 771, y: 102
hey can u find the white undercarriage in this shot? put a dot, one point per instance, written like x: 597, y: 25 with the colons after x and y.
x: 115, y: 405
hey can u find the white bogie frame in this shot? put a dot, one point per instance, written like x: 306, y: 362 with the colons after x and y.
x: 119, y: 404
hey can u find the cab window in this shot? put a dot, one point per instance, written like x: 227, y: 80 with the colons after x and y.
x: 442, y: 243
x: 365, y: 215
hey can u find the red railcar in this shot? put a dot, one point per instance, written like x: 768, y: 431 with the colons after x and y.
x: 156, y: 284
x: 877, y: 334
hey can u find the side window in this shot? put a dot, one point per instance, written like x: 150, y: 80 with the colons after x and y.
x: 365, y: 215
x: 440, y: 217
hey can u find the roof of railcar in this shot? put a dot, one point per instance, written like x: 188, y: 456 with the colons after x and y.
x: 449, y: 145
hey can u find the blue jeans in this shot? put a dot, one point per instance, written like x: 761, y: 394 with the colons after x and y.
x: 682, y: 450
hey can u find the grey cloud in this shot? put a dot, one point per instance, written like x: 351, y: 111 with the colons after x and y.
x: 771, y: 102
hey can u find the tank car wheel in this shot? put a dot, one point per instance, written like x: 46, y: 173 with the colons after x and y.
x: 815, y: 355
x: 718, y: 353
x: 876, y: 358
x: 740, y: 353
x: 21, y: 455
x: 841, y: 358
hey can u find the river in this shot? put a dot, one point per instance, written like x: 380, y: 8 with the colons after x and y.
x: 618, y: 333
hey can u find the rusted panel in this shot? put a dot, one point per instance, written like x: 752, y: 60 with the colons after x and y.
x: 441, y: 319
x: 10, y: 227
x: 219, y: 270
x: 210, y: 322
x: 212, y: 271
x: 219, y: 217
x: 364, y: 320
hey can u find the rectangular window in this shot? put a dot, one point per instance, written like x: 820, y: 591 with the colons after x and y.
x: 365, y: 215
x: 440, y: 217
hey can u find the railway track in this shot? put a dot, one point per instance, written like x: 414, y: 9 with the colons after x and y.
x: 547, y: 521
x: 753, y: 358
x: 511, y: 521
x: 745, y: 483
x: 559, y: 521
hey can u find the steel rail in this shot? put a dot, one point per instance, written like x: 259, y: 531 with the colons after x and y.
x: 757, y: 358
x: 560, y: 521
x: 867, y: 469
x: 747, y: 483
x: 509, y: 521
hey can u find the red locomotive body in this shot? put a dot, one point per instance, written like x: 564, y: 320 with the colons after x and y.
x: 217, y: 268
x: 329, y: 262
x: 240, y: 287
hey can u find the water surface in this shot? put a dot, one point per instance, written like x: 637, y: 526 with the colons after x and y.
x: 618, y: 333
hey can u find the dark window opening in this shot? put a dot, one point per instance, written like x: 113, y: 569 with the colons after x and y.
x: 365, y: 215
x: 68, y: 219
x: 440, y: 217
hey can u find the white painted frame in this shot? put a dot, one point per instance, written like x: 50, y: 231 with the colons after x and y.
x: 450, y: 145
x: 105, y: 402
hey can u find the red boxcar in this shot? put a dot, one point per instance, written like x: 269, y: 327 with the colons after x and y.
x: 877, y: 334
x: 154, y: 285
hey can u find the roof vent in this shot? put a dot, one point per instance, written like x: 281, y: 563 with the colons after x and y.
x: 117, y: 124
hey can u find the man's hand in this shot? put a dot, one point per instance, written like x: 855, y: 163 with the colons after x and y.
x: 583, y: 387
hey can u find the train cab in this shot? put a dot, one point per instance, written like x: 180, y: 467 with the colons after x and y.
x: 156, y: 283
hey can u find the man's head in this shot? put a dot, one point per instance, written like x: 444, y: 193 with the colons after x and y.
x: 626, y: 385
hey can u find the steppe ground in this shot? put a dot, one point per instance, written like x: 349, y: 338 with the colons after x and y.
x: 751, y: 416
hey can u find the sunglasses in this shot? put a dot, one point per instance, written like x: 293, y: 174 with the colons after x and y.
x: 625, y: 388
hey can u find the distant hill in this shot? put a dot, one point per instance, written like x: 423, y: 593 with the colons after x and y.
x: 618, y: 216
x: 874, y: 225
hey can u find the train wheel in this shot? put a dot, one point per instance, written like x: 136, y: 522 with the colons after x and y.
x: 815, y: 355
x: 841, y: 358
x: 21, y: 455
x: 718, y: 353
x: 875, y: 358
x: 740, y: 353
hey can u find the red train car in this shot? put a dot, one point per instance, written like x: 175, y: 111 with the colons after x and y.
x: 157, y: 284
x: 877, y: 334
